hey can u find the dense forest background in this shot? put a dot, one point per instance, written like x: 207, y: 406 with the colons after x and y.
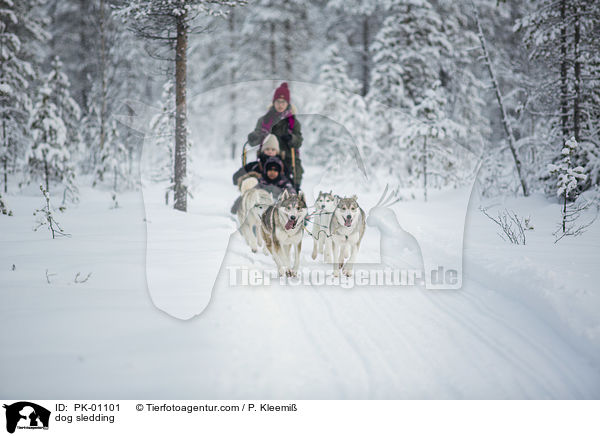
x: 510, y: 82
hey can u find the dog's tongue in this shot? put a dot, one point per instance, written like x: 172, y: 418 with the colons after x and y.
x: 347, y: 222
x: 290, y: 224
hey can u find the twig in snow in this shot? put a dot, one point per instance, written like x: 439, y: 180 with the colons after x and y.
x: 77, y: 280
x: 48, y: 277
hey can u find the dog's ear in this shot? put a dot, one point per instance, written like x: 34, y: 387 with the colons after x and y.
x: 285, y: 195
x: 354, y: 197
x: 301, y: 197
x: 320, y: 193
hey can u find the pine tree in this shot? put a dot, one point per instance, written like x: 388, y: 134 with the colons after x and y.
x: 68, y: 109
x: 163, y: 132
x: 49, y: 156
x: 171, y: 21
x: 18, y: 27
x: 567, y: 178
x: 335, y: 99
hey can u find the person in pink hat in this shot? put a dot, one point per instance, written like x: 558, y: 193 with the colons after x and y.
x: 280, y: 120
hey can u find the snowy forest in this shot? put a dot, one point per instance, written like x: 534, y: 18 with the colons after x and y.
x: 510, y: 81
x: 105, y: 101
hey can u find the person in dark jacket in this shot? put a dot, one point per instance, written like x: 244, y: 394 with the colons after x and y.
x: 273, y: 178
x: 281, y: 121
x: 269, y: 148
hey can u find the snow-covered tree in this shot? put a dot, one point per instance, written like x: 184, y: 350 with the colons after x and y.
x: 18, y: 27
x: 114, y: 160
x: 162, y: 126
x: 567, y: 178
x: 67, y: 107
x: 334, y: 98
x: 49, y: 157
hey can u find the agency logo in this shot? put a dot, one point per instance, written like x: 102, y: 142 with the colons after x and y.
x: 26, y: 415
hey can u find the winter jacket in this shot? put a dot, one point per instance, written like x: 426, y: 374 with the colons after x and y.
x: 278, y: 185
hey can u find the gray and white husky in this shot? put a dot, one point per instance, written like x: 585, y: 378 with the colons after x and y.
x: 283, y: 227
x: 347, y: 228
x: 254, y: 203
x: 324, y: 207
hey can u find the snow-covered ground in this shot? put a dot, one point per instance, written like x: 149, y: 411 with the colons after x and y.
x: 524, y: 325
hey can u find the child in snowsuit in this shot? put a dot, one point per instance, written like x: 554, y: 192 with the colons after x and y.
x: 273, y: 178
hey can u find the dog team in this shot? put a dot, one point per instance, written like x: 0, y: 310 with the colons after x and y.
x: 272, y: 215
x: 277, y: 224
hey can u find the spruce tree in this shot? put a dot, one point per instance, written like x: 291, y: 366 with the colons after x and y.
x: 48, y: 157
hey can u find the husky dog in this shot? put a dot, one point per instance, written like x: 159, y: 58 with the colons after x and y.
x: 254, y: 202
x: 347, y: 228
x: 282, y: 227
x: 324, y: 207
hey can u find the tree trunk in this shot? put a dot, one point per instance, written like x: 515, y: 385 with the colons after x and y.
x: 46, y: 175
x: 5, y: 174
x: 232, y: 78
x: 577, y: 83
x: 425, y: 168
x: 180, y: 114
x: 5, y: 159
x: 272, y: 51
x: 288, y: 48
x: 103, y: 78
x: 365, y: 56
x: 563, y: 74
x: 505, y: 120
x: 85, y: 48
x: 564, y: 214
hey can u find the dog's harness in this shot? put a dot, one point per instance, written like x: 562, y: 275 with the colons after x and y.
x: 307, y: 220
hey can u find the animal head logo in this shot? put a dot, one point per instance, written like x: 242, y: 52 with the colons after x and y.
x: 25, y: 414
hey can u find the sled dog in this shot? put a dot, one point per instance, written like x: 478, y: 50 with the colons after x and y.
x: 347, y: 228
x: 324, y: 207
x: 283, y: 227
x: 254, y: 202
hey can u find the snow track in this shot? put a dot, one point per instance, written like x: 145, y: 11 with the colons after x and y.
x: 104, y: 339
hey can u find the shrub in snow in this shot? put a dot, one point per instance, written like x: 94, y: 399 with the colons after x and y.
x: 45, y: 216
x: 3, y: 209
x: 513, y: 228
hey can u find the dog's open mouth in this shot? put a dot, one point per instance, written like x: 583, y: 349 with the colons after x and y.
x: 347, y: 222
x: 290, y: 224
